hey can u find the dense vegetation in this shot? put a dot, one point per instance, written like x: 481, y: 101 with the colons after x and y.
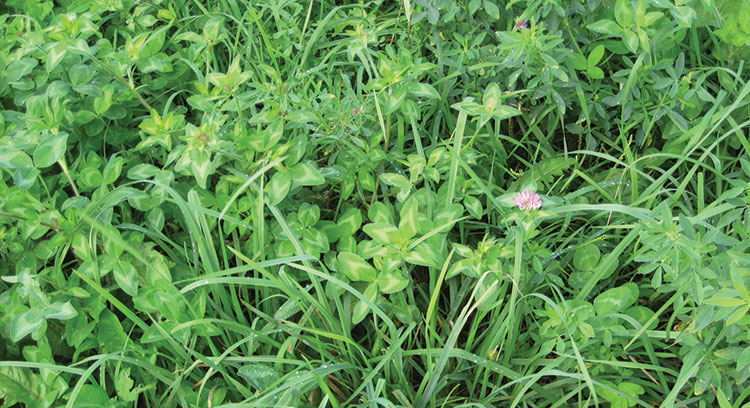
x: 308, y: 203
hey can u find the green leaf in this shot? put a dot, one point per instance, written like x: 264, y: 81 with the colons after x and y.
x: 632, y: 389
x: 385, y: 234
x: 744, y: 359
x: 12, y: 158
x: 595, y: 73
x: 391, y: 281
x: 595, y: 56
x: 722, y: 398
x: 50, y: 149
x: 448, y: 216
x: 356, y: 268
x: 124, y: 385
x: 201, y: 166
x: 306, y: 175
x: 616, y: 299
x: 350, y: 221
x: 395, y: 180
x: 586, y: 258
x: 579, y: 62
x: 24, y: 177
x: 103, y: 102
x: 308, y: 214
x: 92, y: 396
x: 408, y: 223
x: 492, y: 10
x: 361, y: 310
x: 55, y: 53
x: 60, y: 310
x: 725, y: 302
x: 631, y: 40
x: 19, y: 69
x: 607, y: 27
x: 737, y: 315
x: 21, y: 387
x: 111, y: 335
x: 738, y: 282
x: 645, y: 42
x: 623, y: 12
x: 473, y: 206
x: 423, y: 90
x: 25, y: 323
x: 279, y: 186
x: 259, y: 376
x: 126, y: 277
x: 424, y: 254
x: 379, y: 213
x: 267, y: 138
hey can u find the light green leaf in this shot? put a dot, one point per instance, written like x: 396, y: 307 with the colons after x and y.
x: 391, y: 281
x: 379, y: 213
x: 737, y: 315
x: 595, y: 72
x: 279, y: 186
x: 60, y: 310
x: 492, y: 10
x: 50, y: 149
x: 201, y: 166
x: 623, y: 12
x: 408, y: 223
x: 744, y: 359
x: 725, y: 302
x: 385, y: 234
x: 12, y: 158
x: 126, y: 277
x: 631, y: 40
x: 55, y: 53
x: 448, y: 216
x: 25, y: 323
x: 350, y: 221
x: 423, y: 90
x: 356, y: 268
x: 424, y: 254
x: 595, y: 56
x: 607, y: 27
x: 306, y: 175
x: 474, y: 206
x: 361, y: 310
x: 395, y: 180
x: 578, y: 61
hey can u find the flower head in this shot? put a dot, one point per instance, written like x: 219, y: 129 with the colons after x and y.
x: 522, y: 23
x: 527, y: 200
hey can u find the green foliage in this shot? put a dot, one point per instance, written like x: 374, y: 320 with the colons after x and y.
x: 312, y: 203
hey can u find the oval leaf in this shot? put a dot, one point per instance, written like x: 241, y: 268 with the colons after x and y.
x: 50, y: 149
x: 356, y: 268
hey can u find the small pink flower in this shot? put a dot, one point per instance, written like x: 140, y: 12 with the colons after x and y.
x: 354, y: 111
x: 527, y: 200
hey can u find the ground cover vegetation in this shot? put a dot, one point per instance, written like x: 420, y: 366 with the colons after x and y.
x: 417, y: 203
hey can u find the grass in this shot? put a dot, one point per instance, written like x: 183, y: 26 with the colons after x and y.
x: 180, y: 245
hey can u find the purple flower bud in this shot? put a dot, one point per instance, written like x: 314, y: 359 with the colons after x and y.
x: 522, y: 23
